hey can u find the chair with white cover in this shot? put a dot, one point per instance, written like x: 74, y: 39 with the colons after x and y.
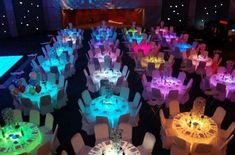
x: 17, y: 115
x: 51, y: 77
x: 34, y: 117
x: 124, y: 70
x: 55, y: 70
x: 219, y: 92
x: 172, y: 95
x: 201, y: 149
x: 45, y: 104
x: 54, y: 142
x: 48, y: 126
x: 124, y: 118
x: 101, y: 132
x: 179, y: 147
x: 124, y: 93
x: 231, y: 96
x: 134, y: 115
x: 41, y: 59
x: 174, y: 108
x: 91, y: 68
x: 166, y: 131
x: 205, y: 83
x: 182, y: 76
x: 27, y: 105
x: 155, y: 73
x: 117, y: 66
x: 126, y: 131
x: 148, y: 143
x: 64, y: 153
x: 101, y: 120
x: 136, y: 100
x: 221, y: 149
x: 91, y: 86
x: 85, y: 72
x: 144, y: 81
x: 201, y: 68
x: 219, y: 115
x: 90, y: 54
x: 156, y: 98
x: 150, y: 69
x: 161, y: 55
x: 225, y: 134
x: 78, y: 145
x: 44, y: 149
x: 199, y: 105
x: 61, y: 99
x: 67, y: 70
x: 61, y: 81
x: 86, y: 97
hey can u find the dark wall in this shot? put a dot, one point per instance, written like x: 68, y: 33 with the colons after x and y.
x: 4, y: 31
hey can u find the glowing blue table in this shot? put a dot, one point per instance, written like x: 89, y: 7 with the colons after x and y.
x: 21, y: 138
x: 111, y: 107
x: 60, y: 64
x: 103, y: 33
x: 59, y: 50
x: 47, y: 88
x: 6, y: 62
x: 183, y: 47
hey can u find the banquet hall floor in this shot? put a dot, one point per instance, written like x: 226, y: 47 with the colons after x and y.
x: 69, y: 118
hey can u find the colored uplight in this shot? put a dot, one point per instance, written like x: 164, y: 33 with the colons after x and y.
x: 111, y: 107
x: 152, y: 59
x: 7, y: 62
x: 17, y: 139
x: 183, y: 47
x: 60, y: 64
x: 233, y: 30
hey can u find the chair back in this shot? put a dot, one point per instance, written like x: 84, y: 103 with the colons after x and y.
x: 229, y: 130
x: 27, y: 103
x: 199, y: 105
x: 77, y: 143
x: 91, y: 68
x: 45, y: 100
x: 173, y: 95
x: 151, y: 67
x: 124, y: 118
x: 60, y: 94
x: 149, y: 142
x: 136, y: 99
x: 219, y: 115
x: 51, y: 77
x: 101, y: 120
x: 101, y: 131
x: 156, y: 93
x: 155, y: 73
x: 17, y: 115
x: 221, y: 87
x: 126, y: 131
x: 162, y: 118
x: 124, y: 92
x: 124, y: 70
x: 44, y: 149
x: 201, y: 148
x: 226, y: 142
x: 180, y: 143
x: 182, y: 76
x: 86, y: 97
x: 161, y: 55
x: 174, y: 108
x: 96, y: 63
x: 117, y: 66
x: 61, y: 81
x: 34, y: 117
x: 81, y: 106
x: 49, y: 120
x: 120, y: 81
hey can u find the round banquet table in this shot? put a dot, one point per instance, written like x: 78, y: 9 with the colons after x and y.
x: 20, y: 138
x: 197, y: 58
x: 152, y: 59
x: 145, y: 47
x: 110, y: 106
x: 47, y: 88
x: 61, y: 49
x: 60, y: 64
x: 195, y: 128
x: 166, y: 84
x: 169, y: 37
x: 226, y: 79
x: 101, y: 56
x: 131, y: 30
x: 105, y: 74
x: 106, y: 148
x: 183, y: 47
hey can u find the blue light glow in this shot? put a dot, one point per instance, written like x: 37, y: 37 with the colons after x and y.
x: 7, y: 62
x: 183, y: 47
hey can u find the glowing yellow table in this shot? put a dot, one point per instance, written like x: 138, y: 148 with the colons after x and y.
x: 195, y: 128
x: 151, y: 59
x: 20, y: 138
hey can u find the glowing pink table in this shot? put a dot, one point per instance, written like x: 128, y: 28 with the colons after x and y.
x: 145, y: 47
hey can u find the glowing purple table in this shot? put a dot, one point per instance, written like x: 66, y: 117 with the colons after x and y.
x: 226, y: 79
x: 101, y: 56
x: 166, y: 84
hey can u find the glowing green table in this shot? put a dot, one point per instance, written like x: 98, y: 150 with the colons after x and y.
x: 17, y: 139
x: 111, y: 107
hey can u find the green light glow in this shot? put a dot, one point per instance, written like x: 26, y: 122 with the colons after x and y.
x: 6, y: 62
x: 15, y: 140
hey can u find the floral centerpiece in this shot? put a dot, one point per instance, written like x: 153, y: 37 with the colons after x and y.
x: 116, y: 138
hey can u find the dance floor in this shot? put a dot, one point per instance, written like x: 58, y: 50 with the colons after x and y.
x: 7, y: 62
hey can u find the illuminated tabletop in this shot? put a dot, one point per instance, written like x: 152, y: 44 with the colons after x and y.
x: 101, y: 56
x: 166, y: 84
x: 104, y: 33
x: 6, y: 62
x: 110, y: 106
x: 59, y: 50
x: 133, y: 35
x: 104, y: 43
x: 227, y: 79
x: 195, y: 128
x: 132, y: 31
x: 183, y: 47
x: 60, y: 64
x: 169, y: 37
x: 20, y: 138
x: 197, y: 58
x: 152, y: 59
x: 106, y: 148
x: 106, y: 74
x: 47, y: 88
x: 145, y: 47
